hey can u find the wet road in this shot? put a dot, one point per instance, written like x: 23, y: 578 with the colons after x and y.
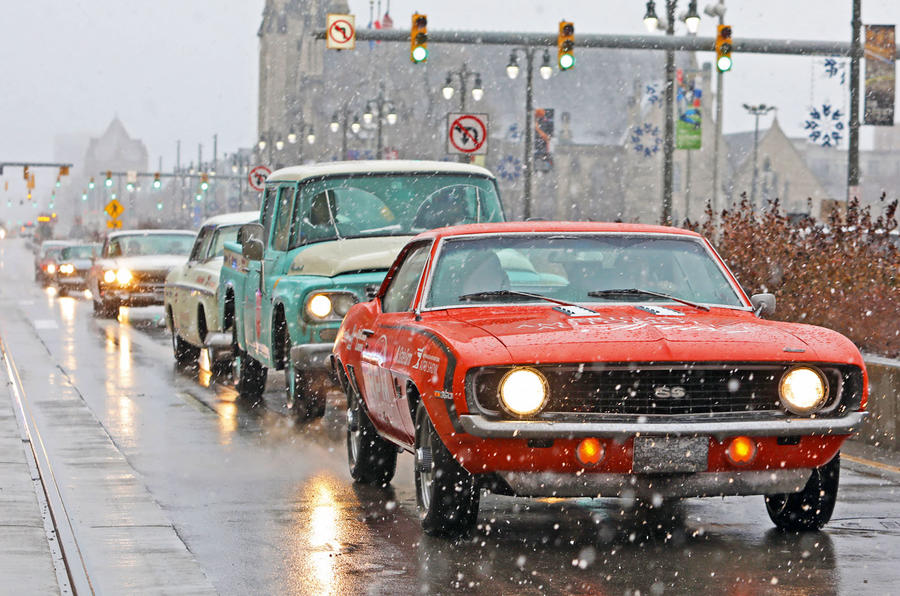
x: 266, y: 506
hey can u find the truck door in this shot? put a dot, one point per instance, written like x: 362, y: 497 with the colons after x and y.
x: 251, y: 306
x: 274, y: 266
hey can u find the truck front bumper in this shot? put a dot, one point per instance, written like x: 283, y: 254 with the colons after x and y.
x: 312, y: 357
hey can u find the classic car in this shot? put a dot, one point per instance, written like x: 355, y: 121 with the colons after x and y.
x: 46, y: 260
x: 327, y: 234
x: 191, y: 304
x: 74, y: 266
x: 133, y: 266
x: 628, y: 362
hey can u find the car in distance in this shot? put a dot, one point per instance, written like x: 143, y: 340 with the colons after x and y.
x: 628, y: 363
x: 75, y: 263
x: 191, y: 305
x: 327, y: 235
x: 133, y: 265
x: 46, y: 260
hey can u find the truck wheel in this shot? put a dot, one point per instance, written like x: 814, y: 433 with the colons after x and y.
x: 811, y: 508
x: 186, y: 355
x: 445, y: 491
x: 305, y: 392
x: 372, y: 460
x: 105, y: 310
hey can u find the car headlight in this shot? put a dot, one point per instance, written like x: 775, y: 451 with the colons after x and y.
x: 123, y: 276
x: 803, y: 389
x: 67, y: 269
x: 109, y: 276
x: 523, y: 391
x: 51, y: 268
x: 319, y: 306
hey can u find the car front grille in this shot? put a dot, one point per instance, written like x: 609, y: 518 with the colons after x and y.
x: 654, y: 389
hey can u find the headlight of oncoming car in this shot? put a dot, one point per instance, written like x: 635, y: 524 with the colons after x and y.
x: 51, y: 268
x: 109, y: 276
x: 123, y: 276
x: 523, y: 391
x: 322, y: 306
x: 803, y: 389
x: 67, y: 269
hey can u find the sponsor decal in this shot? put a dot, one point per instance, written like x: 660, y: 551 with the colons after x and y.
x: 403, y: 356
x: 427, y: 363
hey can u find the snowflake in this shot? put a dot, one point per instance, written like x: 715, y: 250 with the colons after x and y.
x: 509, y: 168
x: 513, y: 133
x: 652, y: 94
x: 834, y: 69
x: 645, y: 139
x: 825, y: 125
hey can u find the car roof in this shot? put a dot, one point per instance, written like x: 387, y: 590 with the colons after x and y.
x: 553, y: 227
x: 228, y: 219
x: 384, y: 166
x: 55, y: 243
x: 149, y: 232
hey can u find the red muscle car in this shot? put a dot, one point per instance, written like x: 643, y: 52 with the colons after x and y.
x: 589, y: 359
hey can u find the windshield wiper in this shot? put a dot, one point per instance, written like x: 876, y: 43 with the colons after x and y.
x: 511, y: 293
x: 639, y: 292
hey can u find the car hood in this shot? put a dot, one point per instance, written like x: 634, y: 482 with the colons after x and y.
x: 146, y: 262
x: 628, y: 333
x: 352, y: 254
x: 79, y: 263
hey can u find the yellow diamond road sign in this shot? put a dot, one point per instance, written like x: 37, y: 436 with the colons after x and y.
x: 114, y: 209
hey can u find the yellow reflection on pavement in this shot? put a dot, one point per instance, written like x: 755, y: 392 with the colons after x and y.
x: 321, y: 521
x: 67, y: 310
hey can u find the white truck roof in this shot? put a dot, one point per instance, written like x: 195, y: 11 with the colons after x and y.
x: 384, y: 166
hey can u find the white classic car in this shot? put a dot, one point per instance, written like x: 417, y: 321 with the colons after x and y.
x: 192, y: 311
x: 133, y: 266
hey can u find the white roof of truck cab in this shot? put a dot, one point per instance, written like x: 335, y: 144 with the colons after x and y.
x: 230, y: 219
x: 384, y: 166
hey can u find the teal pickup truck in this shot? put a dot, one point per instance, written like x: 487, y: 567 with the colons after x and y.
x: 327, y: 235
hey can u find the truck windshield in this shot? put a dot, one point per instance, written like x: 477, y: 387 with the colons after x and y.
x: 391, y: 205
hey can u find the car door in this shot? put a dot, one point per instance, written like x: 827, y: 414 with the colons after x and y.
x: 183, y: 295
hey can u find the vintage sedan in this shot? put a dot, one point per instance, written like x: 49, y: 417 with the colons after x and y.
x: 192, y: 313
x: 74, y: 266
x: 46, y: 260
x: 133, y: 265
x: 587, y: 359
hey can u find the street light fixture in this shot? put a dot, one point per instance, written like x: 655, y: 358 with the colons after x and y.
x: 292, y: 136
x: 356, y: 126
x: 463, y: 74
x: 692, y: 19
x: 261, y: 144
x: 512, y: 69
x: 757, y: 111
x: 448, y: 89
x: 311, y: 136
x: 381, y: 110
x: 546, y: 70
x: 650, y: 18
x: 279, y: 145
x: 335, y: 123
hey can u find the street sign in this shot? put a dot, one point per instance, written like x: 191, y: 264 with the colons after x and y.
x: 467, y: 134
x: 341, y: 32
x: 131, y: 176
x: 114, y: 209
x: 113, y: 223
x: 257, y: 177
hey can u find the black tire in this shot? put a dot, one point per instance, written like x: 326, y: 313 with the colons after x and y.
x: 372, y: 459
x: 446, y: 493
x: 305, y: 392
x: 105, y: 310
x: 186, y: 355
x: 811, y: 508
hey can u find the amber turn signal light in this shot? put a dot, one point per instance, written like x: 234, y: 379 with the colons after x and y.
x: 741, y: 450
x: 590, y: 452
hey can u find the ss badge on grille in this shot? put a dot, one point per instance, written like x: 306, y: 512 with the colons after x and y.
x: 669, y: 391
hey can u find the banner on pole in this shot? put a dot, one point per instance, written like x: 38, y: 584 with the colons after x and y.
x: 881, y: 47
x: 688, y: 130
x: 543, y: 134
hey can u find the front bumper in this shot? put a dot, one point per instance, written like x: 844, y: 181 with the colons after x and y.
x: 134, y: 296
x: 700, y: 484
x: 72, y: 281
x: 481, y: 426
x: 312, y: 357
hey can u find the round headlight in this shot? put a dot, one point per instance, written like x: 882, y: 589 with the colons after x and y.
x: 51, y: 268
x: 67, y: 268
x: 803, y: 390
x: 109, y: 276
x: 523, y: 391
x: 342, y: 303
x: 123, y: 276
x: 319, y: 306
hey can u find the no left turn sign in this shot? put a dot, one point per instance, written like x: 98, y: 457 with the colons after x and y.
x: 467, y: 134
x: 257, y: 177
x: 341, y: 32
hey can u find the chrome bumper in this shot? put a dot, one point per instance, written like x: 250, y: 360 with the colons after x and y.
x: 700, y: 484
x: 525, y: 429
x: 219, y: 345
x: 312, y: 357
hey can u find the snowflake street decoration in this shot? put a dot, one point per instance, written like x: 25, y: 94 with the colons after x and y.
x: 825, y: 126
x: 835, y: 69
x: 651, y: 94
x: 509, y: 168
x: 513, y: 133
x: 645, y: 139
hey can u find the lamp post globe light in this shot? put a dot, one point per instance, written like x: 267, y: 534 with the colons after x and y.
x: 756, y: 111
x: 463, y: 74
x: 378, y: 110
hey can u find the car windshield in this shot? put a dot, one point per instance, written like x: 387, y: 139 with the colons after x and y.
x: 392, y: 205
x: 578, y: 268
x: 223, y: 235
x: 150, y: 244
x: 52, y: 253
x: 78, y: 252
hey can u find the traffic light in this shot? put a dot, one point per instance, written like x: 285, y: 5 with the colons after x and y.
x: 129, y: 186
x: 58, y: 182
x: 63, y: 171
x: 418, y: 38
x: 565, y: 44
x: 159, y: 205
x: 723, y: 48
x: 204, y: 182
x: 91, y: 183
x: 25, y: 173
x: 84, y: 196
x: 157, y: 183
x: 108, y: 179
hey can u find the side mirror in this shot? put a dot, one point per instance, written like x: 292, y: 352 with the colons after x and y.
x: 763, y: 304
x: 252, y: 249
x: 250, y: 231
x: 371, y: 292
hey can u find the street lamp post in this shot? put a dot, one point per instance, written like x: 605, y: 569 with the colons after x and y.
x: 340, y: 121
x: 463, y: 74
x: 757, y: 111
x: 381, y: 110
x: 717, y: 10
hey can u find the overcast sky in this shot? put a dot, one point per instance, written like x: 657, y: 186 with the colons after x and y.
x: 187, y: 69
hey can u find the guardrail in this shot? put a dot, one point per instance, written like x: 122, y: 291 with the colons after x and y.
x: 881, y: 425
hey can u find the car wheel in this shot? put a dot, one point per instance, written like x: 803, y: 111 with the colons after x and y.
x: 105, y: 310
x: 305, y: 392
x: 185, y: 354
x: 445, y: 491
x: 811, y: 508
x: 249, y: 376
x: 372, y: 459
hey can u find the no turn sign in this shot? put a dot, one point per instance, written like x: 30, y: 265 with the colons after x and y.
x: 258, y: 177
x: 467, y: 134
x: 341, y: 32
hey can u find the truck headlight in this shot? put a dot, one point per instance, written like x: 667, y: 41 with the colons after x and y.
x: 109, y: 276
x: 523, y: 391
x: 67, y: 269
x: 319, y: 306
x: 123, y: 276
x: 329, y: 305
x: 51, y: 268
x: 803, y: 389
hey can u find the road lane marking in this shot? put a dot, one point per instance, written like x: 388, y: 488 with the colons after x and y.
x: 872, y: 464
x: 46, y: 324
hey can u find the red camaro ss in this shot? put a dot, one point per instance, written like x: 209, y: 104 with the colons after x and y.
x: 588, y: 359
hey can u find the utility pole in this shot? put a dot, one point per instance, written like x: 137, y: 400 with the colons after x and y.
x: 853, y: 149
x: 669, y: 144
x: 719, y: 11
